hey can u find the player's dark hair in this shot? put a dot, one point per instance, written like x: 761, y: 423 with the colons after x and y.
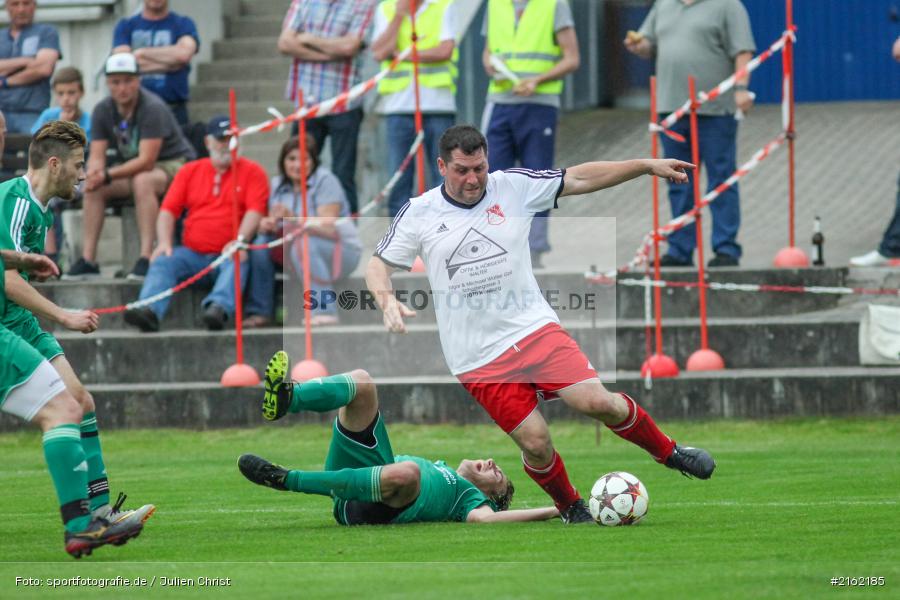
x: 55, y: 138
x: 505, y: 499
x: 312, y: 148
x: 465, y: 138
x: 68, y: 75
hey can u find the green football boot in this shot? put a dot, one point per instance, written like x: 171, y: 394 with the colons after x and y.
x: 278, y: 388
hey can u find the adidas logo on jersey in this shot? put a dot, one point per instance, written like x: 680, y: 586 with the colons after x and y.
x: 443, y: 228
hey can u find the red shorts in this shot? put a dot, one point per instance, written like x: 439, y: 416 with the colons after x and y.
x: 541, y: 363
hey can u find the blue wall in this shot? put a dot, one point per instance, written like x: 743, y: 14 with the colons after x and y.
x: 843, y: 49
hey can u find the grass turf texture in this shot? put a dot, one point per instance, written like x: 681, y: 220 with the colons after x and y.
x: 791, y: 505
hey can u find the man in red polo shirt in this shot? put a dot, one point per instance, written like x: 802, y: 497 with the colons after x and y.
x: 205, y: 189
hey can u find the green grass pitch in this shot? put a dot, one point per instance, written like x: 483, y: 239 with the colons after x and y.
x: 791, y: 505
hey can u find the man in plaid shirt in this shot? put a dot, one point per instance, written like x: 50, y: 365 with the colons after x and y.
x: 325, y: 38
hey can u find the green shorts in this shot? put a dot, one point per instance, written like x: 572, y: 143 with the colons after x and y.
x: 18, y: 360
x: 344, y: 453
x: 26, y: 326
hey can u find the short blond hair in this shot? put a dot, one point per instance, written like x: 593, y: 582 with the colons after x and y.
x: 55, y: 138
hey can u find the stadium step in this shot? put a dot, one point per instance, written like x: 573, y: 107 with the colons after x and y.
x: 569, y: 288
x: 257, y: 90
x: 254, y: 26
x: 110, y: 356
x: 249, y: 113
x: 265, y: 7
x: 735, y: 394
x: 224, y: 71
x: 249, y: 47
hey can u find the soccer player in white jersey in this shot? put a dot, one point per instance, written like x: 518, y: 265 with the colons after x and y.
x: 472, y: 234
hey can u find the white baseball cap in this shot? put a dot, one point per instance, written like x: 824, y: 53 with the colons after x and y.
x: 123, y: 62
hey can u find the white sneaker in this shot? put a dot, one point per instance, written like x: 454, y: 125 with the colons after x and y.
x: 872, y: 259
x: 118, y: 517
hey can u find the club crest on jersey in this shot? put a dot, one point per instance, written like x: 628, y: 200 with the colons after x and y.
x: 475, y: 247
x: 495, y: 215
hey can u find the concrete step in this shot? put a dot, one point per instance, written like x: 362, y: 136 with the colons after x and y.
x: 265, y: 7
x: 268, y: 69
x: 243, y: 48
x: 629, y: 301
x: 249, y: 113
x: 734, y: 394
x: 254, y: 26
x: 110, y: 356
x: 247, y: 91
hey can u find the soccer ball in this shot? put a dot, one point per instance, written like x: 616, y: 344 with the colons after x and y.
x: 618, y: 498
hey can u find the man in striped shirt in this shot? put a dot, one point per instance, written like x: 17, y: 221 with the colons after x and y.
x: 325, y: 39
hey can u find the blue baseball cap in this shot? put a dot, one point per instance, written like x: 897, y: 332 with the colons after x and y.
x: 219, y: 126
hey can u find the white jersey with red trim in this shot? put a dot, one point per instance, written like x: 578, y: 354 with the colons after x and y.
x: 478, y: 262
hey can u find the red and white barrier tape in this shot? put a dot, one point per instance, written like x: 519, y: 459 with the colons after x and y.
x: 643, y: 252
x: 599, y: 278
x: 665, y: 125
x: 235, y: 246
x: 322, y: 108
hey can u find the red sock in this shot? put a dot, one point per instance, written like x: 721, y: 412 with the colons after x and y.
x: 554, y: 480
x: 639, y: 428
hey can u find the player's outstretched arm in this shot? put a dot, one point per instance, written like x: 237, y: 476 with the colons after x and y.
x: 378, y: 280
x: 484, y: 514
x: 38, y: 266
x: 593, y: 176
x: 20, y: 291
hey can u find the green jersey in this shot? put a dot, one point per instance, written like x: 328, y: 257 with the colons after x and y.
x: 23, y: 226
x: 2, y: 288
x: 23, y: 220
x: 443, y: 494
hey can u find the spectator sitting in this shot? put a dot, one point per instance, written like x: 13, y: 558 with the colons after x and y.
x: 164, y: 43
x: 334, y: 245
x: 68, y: 87
x: 325, y: 39
x: 137, y: 148
x: 204, y: 188
x: 28, y: 55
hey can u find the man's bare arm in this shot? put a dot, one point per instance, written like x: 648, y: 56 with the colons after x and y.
x: 39, y: 68
x: 37, y: 265
x: 290, y: 43
x: 9, y: 66
x: 20, y: 291
x: 164, y: 59
x: 593, y: 176
x: 338, y: 48
x: 378, y: 281
x: 484, y: 514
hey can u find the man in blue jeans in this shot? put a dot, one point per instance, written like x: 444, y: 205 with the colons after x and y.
x: 392, y: 34
x: 325, y: 39
x: 709, y: 40
x: 204, y: 188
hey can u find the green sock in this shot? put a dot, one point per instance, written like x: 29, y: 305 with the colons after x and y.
x: 347, y: 484
x: 323, y: 393
x: 68, y: 469
x: 98, y: 484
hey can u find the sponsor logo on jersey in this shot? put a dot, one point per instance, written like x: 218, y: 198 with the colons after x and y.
x: 475, y: 247
x: 495, y: 215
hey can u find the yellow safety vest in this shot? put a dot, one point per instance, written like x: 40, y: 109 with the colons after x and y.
x: 529, y: 49
x: 428, y: 29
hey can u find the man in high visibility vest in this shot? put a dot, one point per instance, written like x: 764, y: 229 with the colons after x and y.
x: 436, y: 48
x: 535, y: 40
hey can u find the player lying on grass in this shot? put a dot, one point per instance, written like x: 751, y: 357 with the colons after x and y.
x: 31, y: 389
x: 55, y: 168
x: 369, y: 485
